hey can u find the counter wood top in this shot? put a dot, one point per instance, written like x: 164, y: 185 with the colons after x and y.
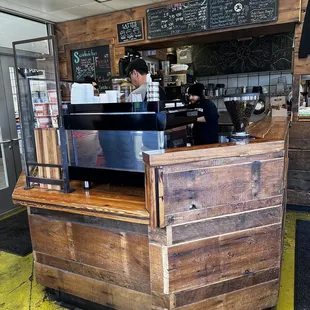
x: 112, y: 202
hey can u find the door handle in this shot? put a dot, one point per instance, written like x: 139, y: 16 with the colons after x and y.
x: 17, y: 139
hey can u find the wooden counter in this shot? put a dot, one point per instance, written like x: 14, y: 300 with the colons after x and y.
x: 211, y: 238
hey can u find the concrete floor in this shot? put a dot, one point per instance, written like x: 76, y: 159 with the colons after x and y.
x: 19, y: 290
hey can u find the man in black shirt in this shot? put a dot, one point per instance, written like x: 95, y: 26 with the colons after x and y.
x: 206, y: 129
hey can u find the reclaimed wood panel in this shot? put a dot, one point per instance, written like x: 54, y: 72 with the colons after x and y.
x: 257, y: 297
x: 210, y: 187
x: 113, y: 225
x: 298, y: 197
x: 213, y: 211
x: 161, y: 236
x: 151, y: 201
x: 299, y: 160
x: 299, y: 136
x: 159, y: 269
x: 114, y: 251
x: 222, y: 161
x: 163, y: 302
x: 215, y: 259
x: 299, y: 180
x: 212, y: 151
x: 90, y: 289
x: 227, y: 224
x: 205, y: 292
x: 107, y: 276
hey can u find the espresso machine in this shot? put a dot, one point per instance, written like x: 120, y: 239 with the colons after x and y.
x: 125, y: 61
x: 240, y: 108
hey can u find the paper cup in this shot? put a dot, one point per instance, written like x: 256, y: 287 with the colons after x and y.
x: 113, y: 95
x: 104, y: 98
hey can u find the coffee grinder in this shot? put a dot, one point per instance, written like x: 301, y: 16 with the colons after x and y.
x: 240, y: 108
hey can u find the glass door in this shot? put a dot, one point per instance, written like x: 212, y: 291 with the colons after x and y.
x: 10, y: 162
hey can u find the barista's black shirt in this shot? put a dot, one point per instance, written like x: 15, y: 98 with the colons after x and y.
x: 206, y: 132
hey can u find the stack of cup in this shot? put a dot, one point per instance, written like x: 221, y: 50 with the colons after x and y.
x: 153, y: 91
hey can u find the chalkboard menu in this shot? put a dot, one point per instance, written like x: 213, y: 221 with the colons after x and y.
x: 92, y: 62
x: 130, y: 31
x: 268, y: 53
x: 203, y: 15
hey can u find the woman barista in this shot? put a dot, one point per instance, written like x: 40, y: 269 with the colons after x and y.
x: 206, y: 128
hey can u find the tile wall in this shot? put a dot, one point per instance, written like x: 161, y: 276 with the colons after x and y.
x: 234, y: 82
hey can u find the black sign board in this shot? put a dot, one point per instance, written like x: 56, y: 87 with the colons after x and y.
x: 268, y: 53
x: 203, y: 15
x: 91, y: 62
x: 130, y: 31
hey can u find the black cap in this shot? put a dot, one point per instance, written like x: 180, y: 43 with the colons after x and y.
x: 139, y: 65
x: 196, y: 90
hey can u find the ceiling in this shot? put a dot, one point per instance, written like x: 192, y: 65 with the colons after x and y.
x: 64, y: 10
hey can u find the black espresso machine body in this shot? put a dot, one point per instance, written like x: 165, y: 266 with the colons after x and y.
x: 106, y: 141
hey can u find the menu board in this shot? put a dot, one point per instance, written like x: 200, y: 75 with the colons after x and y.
x: 174, y: 19
x: 130, y: 31
x: 267, y: 53
x: 203, y: 15
x: 91, y: 62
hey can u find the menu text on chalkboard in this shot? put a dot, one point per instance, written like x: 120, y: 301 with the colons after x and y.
x: 203, y: 15
x: 91, y: 62
x: 130, y: 31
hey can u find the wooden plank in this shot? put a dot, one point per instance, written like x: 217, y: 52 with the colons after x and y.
x: 116, y: 252
x: 163, y: 302
x: 161, y: 195
x: 257, y: 297
x: 40, y: 154
x: 221, y: 288
x: 226, y: 224
x: 210, y: 187
x: 215, y: 259
x: 277, y: 130
x: 97, y: 291
x: 51, y: 155
x: 212, y: 151
x: 213, y: 211
x: 159, y: 269
x: 223, y: 161
x: 299, y: 160
x: 260, y: 128
x: 299, y: 136
x: 298, y: 180
x: 108, y: 224
x: 151, y: 201
x: 160, y: 236
x: 297, y: 197
x: 107, y: 276
x: 105, y: 201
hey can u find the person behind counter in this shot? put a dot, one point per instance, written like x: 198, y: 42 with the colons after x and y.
x: 138, y: 70
x: 206, y: 128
